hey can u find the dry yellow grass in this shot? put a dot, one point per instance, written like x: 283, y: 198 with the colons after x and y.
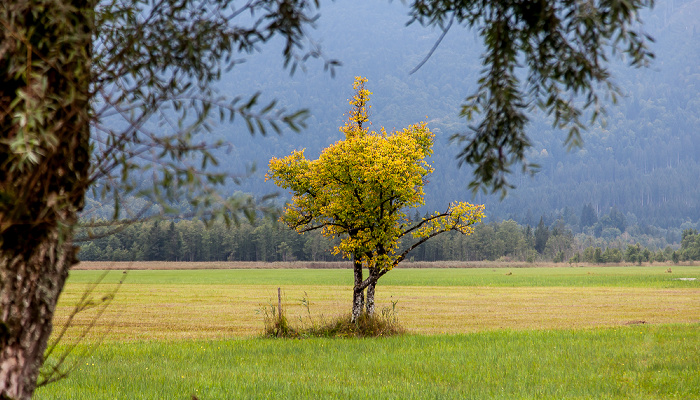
x: 175, y: 312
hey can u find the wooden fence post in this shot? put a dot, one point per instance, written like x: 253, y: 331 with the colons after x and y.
x: 279, y: 303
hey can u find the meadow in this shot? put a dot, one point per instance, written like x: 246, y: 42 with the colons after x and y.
x: 588, y: 332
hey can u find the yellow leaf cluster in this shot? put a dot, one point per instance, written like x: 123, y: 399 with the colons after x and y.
x: 460, y: 216
x: 360, y: 187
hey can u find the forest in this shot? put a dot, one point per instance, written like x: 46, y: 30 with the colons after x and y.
x: 269, y: 241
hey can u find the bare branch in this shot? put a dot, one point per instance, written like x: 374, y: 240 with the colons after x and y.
x: 435, y: 46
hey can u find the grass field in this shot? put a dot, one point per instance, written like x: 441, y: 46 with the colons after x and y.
x: 610, y: 332
x: 640, y: 362
x: 653, y: 276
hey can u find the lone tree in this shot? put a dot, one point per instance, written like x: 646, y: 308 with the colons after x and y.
x: 360, y: 190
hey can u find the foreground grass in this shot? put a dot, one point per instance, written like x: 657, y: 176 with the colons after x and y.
x: 624, y: 362
x: 538, y: 334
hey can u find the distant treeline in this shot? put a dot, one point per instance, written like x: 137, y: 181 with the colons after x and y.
x: 269, y: 241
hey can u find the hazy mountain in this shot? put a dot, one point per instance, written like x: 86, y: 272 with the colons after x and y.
x: 644, y: 159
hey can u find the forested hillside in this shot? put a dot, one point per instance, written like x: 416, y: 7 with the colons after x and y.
x: 269, y: 242
x: 643, y: 161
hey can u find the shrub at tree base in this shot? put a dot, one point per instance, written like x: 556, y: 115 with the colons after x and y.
x: 380, y: 324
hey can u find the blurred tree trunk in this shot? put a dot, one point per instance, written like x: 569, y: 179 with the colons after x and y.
x: 30, y: 290
x: 45, y: 51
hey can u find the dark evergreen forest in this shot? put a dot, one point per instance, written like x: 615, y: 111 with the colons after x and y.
x: 269, y: 241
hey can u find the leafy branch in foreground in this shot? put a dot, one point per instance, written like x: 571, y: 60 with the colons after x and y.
x: 108, y: 95
x: 552, y: 55
x: 154, y: 102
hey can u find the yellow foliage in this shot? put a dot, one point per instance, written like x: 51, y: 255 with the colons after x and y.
x: 460, y: 216
x: 360, y: 188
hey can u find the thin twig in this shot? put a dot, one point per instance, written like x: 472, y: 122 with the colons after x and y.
x: 435, y: 46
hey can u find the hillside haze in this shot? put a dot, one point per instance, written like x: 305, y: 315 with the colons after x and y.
x: 643, y: 159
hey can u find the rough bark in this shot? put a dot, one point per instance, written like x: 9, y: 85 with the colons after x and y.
x: 373, y: 277
x: 44, y: 60
x: 30, y: 290
x: 358, y: 296
x: 370, y: 299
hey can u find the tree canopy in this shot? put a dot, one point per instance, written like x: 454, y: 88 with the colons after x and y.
x: 360, y: 190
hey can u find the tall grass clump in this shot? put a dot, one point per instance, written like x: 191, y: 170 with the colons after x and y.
x: 380, y: 324
x: 375, y: 325
x: 276, y: 324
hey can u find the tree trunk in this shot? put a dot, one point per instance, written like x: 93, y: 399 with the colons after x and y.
x: 373, y: 276
x: 370, y: 298
x: 358, y: 296
x: 29, y: 292
x: 45, y: 52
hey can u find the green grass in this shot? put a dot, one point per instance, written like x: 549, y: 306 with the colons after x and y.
x: 534, y: 333
x: 621, y: 363
x: 651, y: 277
